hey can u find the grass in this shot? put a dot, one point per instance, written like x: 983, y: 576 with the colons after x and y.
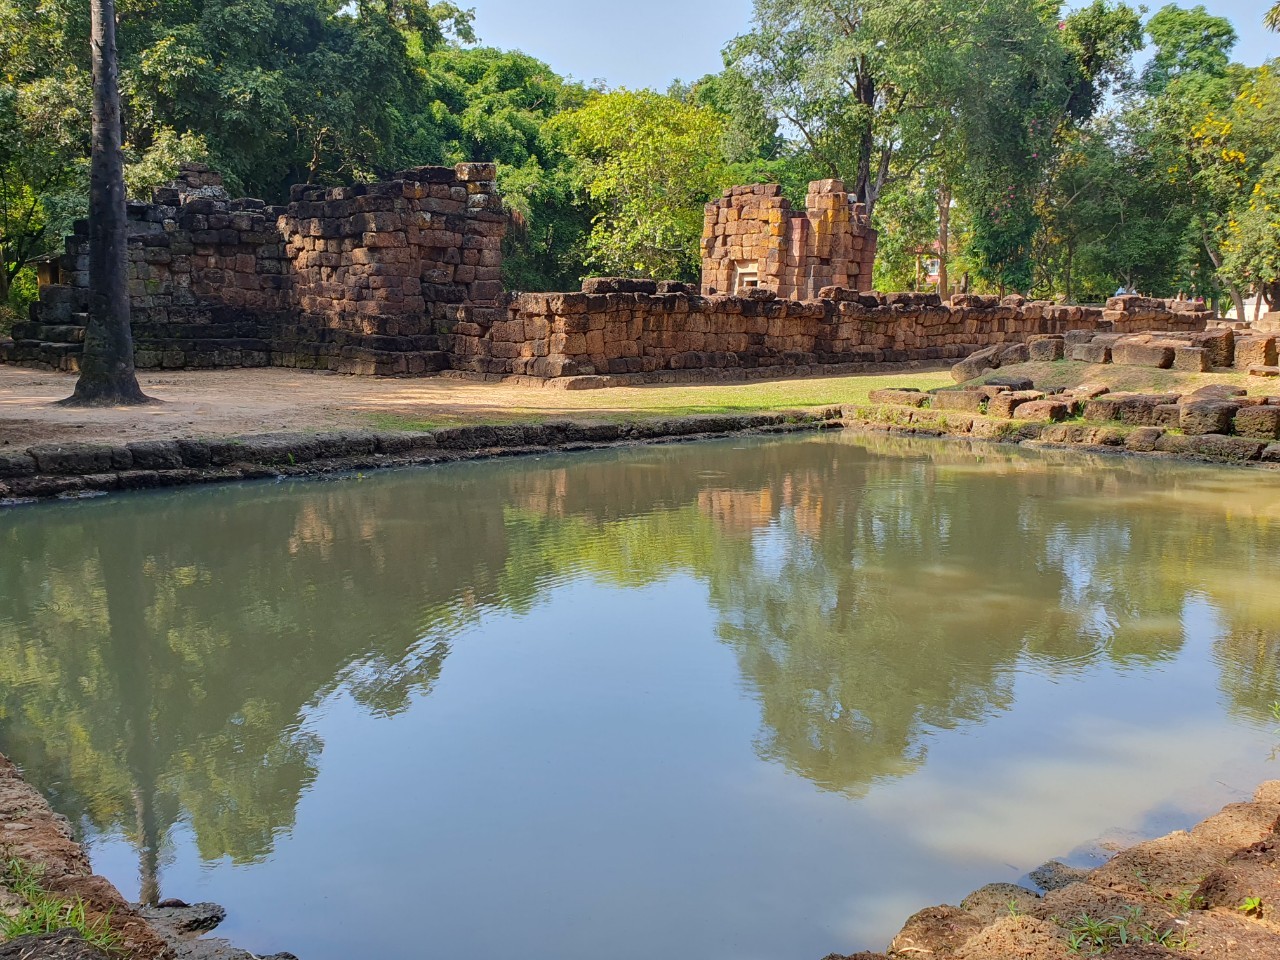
x: 1094, y: 937
x: 626, y: 404
x: 44, y: 912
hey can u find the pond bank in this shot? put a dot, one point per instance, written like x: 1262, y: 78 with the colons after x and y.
x: 73, y: 470
x: 84, y: 469
x: 1211, y: 892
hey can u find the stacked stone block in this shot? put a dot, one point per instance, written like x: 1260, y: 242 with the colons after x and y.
x: 372, y: 278
x: 753, y: 240
x: 630, y: 327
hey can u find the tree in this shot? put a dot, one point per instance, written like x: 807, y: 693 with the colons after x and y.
x: 107, y: 376
x: 648, y: 163
x: 1238, y: 166
x: 494, y: 105
x: 1187, y: 43
x: 1272, y: 18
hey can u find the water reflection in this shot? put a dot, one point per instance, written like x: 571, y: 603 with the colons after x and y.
x: 160, y: 656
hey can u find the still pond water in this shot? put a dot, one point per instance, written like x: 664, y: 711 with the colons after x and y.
x: 741, y: 699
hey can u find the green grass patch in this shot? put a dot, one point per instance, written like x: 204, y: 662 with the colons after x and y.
x: 44, y: 912
x: 627, y: 404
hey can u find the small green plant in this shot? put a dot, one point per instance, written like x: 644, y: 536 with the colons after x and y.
x: 1013, y: 909
x: 43, y: 912
x: 1252, y: 907
x: 1094, y: 937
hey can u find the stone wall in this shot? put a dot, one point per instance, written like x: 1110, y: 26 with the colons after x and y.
x: 369, y: 278
x: 752, y: 239
x: 629, y: 327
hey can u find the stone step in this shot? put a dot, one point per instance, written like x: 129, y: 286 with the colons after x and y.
x: 48, y: 333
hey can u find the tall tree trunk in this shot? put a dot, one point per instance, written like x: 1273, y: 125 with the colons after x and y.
x: 944, y: 242
x: 1066, y: 280
x: 107, y: 376
x: 1216, y: 259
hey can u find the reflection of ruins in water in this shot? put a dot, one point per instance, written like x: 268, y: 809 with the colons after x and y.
x: 873, y: 590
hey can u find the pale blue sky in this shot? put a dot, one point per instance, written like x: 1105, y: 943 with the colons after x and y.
x: 649, y: 44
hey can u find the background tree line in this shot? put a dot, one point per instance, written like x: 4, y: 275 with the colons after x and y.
x: 1014, y: 145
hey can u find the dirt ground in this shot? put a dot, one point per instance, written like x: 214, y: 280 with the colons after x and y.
x: 236, y: 402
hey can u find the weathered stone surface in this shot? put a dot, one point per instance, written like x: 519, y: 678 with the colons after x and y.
x: 974, y: 365
x: 1137, y: 354
x: 1134, y: 409
x: 1017, y: 353
x: 1200, y: 417
x: 1098, y: 352
x: 1257, y: 371
x: 1047, y: 349
x: 1262, y: 422
x: 904, y: 398
x: 1191, y: 359
x: 1218, y: 391
x: 1010, y: 382
x: 1005, y: 405
x: 156, y: 454
x: 79, y: 458
x: 1143, y: 439
x: 1218, y: 344
x: 1255, y: 351
x: 1214, y: 446
x: 16, y: 464
x: 968, y: 401
x: 752, y: 240
x: 1049, y: 410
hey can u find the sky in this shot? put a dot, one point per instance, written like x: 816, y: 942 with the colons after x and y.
x: 650, y: 44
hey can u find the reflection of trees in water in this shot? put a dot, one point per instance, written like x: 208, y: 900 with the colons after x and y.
x: 158, y: 655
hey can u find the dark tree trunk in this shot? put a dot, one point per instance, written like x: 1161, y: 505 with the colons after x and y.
x: 944, y: 242
x: 107, y: 376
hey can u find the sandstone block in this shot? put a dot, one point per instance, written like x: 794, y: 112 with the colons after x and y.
x: 1192, y: 359
x: 1262, y: 422
x: 1144, y: 439
x: 1137, y: 354
x: 1047, y: 349
x: 1255, y: 352
x: 1005, y: 405
x: 1044, y: 410
x: 973, y: 366
x: 1009, y: 382
x: 968, y: 401
x: 1017, y: 353
x: 1264, y: 371
x: 1219, y: 344
x: 902, y: 398
x: 1200, y: 417
x: 1093, y: 352
x: 1213, y: 446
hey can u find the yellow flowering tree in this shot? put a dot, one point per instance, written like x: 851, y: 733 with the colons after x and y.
x: 1239, y: 152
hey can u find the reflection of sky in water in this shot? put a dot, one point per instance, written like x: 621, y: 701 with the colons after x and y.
x: 742, y: 703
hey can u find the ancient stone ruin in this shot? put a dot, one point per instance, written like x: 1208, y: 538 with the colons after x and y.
x: 753, y: 240
x: 361, y: 279
x: 403, y: 278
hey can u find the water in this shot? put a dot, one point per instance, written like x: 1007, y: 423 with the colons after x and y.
x: 741, y: 699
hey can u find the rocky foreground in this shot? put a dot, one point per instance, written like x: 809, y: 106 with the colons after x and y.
x: 1213, y: 892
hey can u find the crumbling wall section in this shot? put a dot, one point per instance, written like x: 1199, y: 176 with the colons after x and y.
x: 371, y: 278
x: 753, y: 239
